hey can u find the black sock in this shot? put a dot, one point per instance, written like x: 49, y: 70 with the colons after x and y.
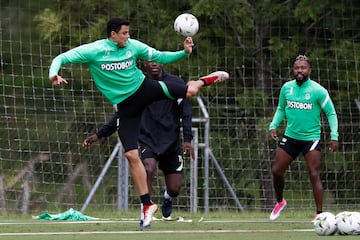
x: 145, y: 199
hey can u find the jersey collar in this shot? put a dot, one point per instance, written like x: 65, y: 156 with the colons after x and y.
x: 111, y: 43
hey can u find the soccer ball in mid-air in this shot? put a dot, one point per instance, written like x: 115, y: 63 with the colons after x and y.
x: 186, y: 24
x: 325, y: 224
x: 348, y: 223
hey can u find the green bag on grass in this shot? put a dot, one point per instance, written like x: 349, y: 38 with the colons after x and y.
x: 71, y: 215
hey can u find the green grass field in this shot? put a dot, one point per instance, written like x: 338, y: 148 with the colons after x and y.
x: 220, y: 225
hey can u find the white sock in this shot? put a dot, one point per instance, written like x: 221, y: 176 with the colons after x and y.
x: 166, y: 195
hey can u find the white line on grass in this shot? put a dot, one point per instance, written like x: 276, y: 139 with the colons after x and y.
x: 155, y: 232
x: 130, y: 220
x: 41, y: 222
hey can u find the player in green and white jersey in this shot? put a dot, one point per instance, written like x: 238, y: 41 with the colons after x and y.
x: 112, y: 64
x: 300, y: 103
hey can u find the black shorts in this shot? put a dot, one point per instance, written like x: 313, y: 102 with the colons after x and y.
x: 293, y: 147
x: 130, y: 110
x: 170, y: 162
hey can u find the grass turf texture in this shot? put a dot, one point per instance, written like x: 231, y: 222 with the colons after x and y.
x: 217, y: 225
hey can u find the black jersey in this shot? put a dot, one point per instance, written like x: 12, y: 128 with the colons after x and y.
x: 161, y: 122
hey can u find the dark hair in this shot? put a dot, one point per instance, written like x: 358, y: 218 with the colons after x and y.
x: 115, y: 24
x: 302, y: 58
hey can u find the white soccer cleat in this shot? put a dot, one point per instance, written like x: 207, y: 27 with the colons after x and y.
x: 166, y: 218
x: 149, y: 212
x: 214, y: 77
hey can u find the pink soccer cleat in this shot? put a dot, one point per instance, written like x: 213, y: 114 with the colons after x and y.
x: 277, y: 209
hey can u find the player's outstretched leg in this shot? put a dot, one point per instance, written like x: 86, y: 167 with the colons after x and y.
x: 214, y: 77
x: 193, y: 87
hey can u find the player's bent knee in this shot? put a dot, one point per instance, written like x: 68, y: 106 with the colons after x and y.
x: 277, y: 173
x: 314, y: 174
x: 132, y: 155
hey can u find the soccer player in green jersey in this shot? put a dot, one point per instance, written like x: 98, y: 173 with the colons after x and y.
x: 112, y: 64
x: 159, y: 139
x: 301, y: 102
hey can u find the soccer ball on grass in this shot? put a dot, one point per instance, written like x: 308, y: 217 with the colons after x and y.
x: 325, y: 224
x: 348, y: 223
x: 186, y: 25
